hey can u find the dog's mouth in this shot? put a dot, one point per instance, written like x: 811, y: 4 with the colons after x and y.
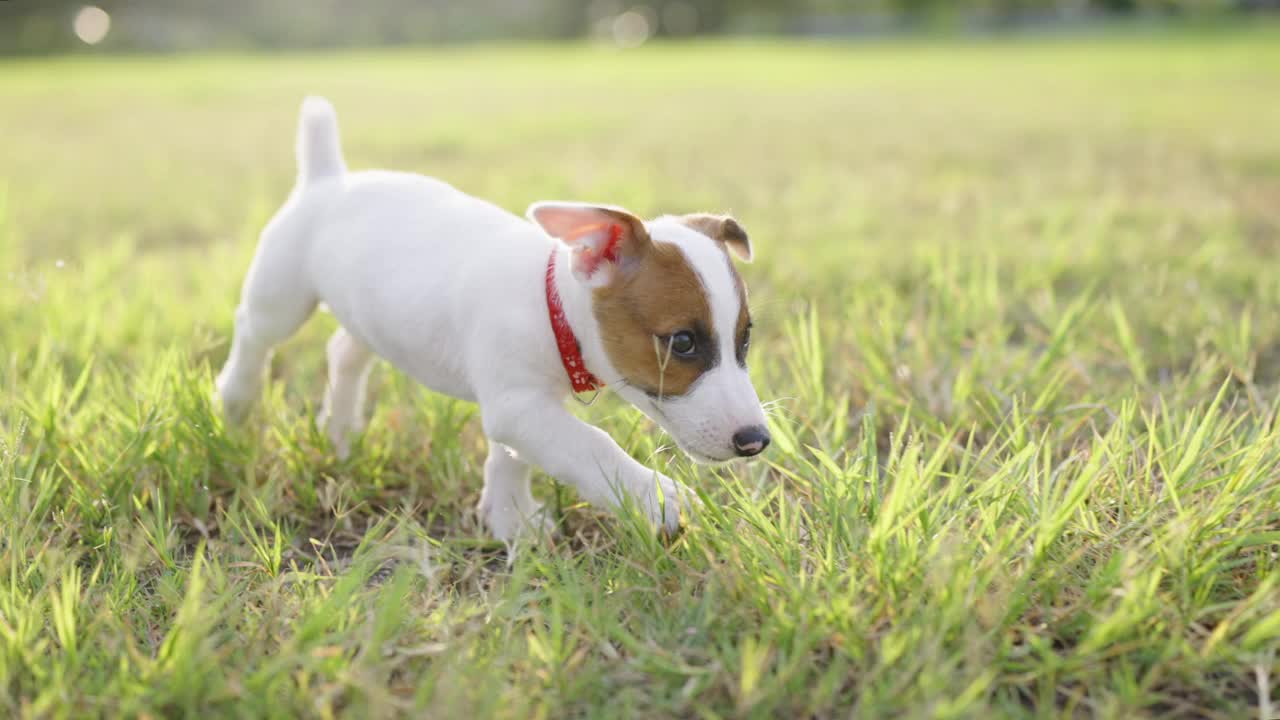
x: 703, y: 458
x: 655, y: 412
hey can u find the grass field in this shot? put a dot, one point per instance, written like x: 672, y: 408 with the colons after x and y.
x: 1017, y: 302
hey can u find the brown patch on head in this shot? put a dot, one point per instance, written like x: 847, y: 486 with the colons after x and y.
x: 658, y: 297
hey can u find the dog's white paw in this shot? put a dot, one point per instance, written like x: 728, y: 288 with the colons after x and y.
x: 664, y: 500
x: 339, y: 430
x: 235, y: 398
x: 341, y: 447
x: 509, y: 523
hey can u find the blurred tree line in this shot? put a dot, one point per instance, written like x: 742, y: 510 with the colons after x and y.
x: 49, y: 26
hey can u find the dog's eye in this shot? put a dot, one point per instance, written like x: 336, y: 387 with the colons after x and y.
x: 683, y: 345
x: 744, y: 344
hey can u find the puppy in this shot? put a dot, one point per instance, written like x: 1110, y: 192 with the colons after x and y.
x: 482, y: 305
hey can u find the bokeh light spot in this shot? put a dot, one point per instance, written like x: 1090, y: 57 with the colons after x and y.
x: 91, y: 24
x: 631, y: 29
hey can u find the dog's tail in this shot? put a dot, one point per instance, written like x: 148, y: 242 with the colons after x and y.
x: 319, y: 147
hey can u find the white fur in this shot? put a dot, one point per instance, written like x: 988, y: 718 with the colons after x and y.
x: 450, y: 290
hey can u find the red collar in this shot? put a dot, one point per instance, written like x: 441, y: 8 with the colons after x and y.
x: 570, y: 351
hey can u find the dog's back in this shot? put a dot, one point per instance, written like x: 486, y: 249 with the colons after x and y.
x: 385, y: 251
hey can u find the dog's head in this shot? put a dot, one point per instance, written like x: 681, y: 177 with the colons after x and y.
x: 671, y: 314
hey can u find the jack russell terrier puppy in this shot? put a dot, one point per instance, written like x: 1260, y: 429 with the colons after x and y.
x: 479, y: 304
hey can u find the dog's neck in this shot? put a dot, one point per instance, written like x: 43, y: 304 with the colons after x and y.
x: 575, y: 298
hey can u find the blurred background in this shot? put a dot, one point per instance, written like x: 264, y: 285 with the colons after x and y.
x: 995, y: 240
x: 46, y: 26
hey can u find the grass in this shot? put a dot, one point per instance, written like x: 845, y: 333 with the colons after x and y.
x: 1017, y: 303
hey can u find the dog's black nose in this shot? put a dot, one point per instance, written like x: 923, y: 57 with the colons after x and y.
x: 751, y: 440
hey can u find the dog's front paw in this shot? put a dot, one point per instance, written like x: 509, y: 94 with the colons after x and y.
x: 664, y: 500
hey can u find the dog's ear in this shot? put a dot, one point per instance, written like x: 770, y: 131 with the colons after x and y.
x: 606, y: 241
x: 722, y: 228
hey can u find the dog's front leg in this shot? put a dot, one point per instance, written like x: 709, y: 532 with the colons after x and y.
x: 544, y: 433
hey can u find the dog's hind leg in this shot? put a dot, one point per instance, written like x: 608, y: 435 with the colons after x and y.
x: 506, y: 505
x: 349, y: 364
x: 274, y: 303
x: 277, y: 297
